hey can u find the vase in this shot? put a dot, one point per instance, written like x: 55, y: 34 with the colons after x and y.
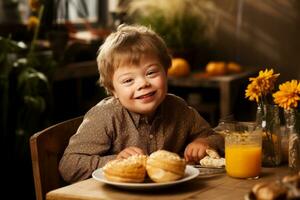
x: 292, y: 119
x: 267, y: 118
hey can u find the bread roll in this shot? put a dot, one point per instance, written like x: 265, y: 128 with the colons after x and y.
x: 165, y: 166
x: 292, y: 179
x: 286, y: 188
x: 257, y: 186
x: 130, y: 170
x: 270, y: 191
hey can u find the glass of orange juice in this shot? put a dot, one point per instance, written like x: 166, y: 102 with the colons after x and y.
x: 243, y: 151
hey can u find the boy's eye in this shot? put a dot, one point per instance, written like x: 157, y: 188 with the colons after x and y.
x: 151, y: 73
x: 126, y: 81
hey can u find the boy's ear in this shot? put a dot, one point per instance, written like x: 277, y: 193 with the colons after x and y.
x: 115, y: 94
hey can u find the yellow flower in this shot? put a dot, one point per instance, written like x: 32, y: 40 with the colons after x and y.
x: 34, y: 4
x: 33, y: 21
x: 288, y: 94
x: 253, y: 92
x: 266, y: 80
x: 261, y: 85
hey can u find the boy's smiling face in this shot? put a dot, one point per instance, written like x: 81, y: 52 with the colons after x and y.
x: 140, y: 88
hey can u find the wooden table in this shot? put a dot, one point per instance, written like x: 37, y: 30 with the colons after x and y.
x: 217, y: 186
x: 228, y: 86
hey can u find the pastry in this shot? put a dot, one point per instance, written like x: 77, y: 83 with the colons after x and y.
x: 130, y: 170
x: 257, y: 186
x: 212, y: 153
x: 270, y: 191
x: 208, y: 161
x: 286, y: 188
x: 213, y: 159
x: 165, y: 166
x: 292, y: 179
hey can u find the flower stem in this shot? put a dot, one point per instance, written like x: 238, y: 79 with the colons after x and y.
x: 36, y: 32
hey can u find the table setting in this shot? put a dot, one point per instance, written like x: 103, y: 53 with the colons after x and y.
x: 251, y: 168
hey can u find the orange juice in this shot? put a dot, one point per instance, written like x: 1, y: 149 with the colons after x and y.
x: 243, y: 161
x: 243, y: 151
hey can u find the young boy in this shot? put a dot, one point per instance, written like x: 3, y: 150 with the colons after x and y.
x: 139, y: 117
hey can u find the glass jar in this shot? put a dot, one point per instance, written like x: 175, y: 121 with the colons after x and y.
x: 243, y: 151
x: 267, y: 117
x: 292, y: 118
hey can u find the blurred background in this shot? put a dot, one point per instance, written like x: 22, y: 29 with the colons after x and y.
x: 48, y: 50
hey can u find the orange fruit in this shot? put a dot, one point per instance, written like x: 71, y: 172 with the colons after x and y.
x: 216, y: 68
x: 234, y: 67
x: 180, y: 67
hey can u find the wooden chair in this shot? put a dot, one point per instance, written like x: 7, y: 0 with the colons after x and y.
x: 47, y: 147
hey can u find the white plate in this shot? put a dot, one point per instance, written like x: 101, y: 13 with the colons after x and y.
x: 208, y: 167
x: 190, y: 173
x: 205, y: 170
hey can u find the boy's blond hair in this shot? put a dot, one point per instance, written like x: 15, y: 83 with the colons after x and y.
x: 127, y: 45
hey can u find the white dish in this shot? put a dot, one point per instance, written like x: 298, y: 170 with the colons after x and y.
x: 190, y: 173
x: 209, y: 167
x: 206, y: 170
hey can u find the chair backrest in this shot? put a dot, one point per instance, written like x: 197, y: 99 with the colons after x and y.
x: 47, y: 147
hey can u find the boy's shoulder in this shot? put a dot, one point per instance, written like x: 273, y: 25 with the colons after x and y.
x: 108, y: 102
x: 175, y: 104
x: 172, y: 99
x: 108, y: 105
x: 177, y: 107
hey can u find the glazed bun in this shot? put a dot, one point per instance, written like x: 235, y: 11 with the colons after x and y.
x: 130, y: 170
x: 165, y: 166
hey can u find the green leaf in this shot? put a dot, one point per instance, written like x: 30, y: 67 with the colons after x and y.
x: 35, y: 103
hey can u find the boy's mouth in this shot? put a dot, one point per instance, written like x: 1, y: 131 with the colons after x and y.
x: 146, y: 95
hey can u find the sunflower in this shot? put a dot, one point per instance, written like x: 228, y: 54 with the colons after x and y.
x: 261, y: 85
x: 288, y: 94
x: 266, y: 80
x: 253, y: 92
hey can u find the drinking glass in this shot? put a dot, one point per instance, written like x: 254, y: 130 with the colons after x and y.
x: 243, y: 150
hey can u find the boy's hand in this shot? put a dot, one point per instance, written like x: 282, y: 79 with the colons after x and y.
x: 130, y: 151
x: 195, y: 151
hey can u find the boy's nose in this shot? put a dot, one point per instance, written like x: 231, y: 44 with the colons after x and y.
x: 143, y: 83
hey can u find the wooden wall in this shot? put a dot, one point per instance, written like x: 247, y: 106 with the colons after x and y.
x: 263, y: 34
